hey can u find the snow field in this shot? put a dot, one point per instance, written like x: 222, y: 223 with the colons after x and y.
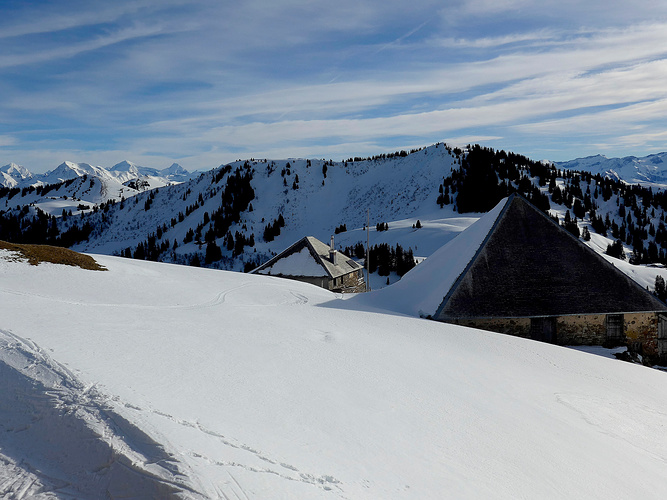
x: 260, y: 387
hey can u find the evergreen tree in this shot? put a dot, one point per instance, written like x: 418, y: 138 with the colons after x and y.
x: 213, y: 253
x: 616, y: 250
x: 660, y: 288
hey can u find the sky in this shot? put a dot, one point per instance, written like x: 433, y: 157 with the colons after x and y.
x: 206, y: 82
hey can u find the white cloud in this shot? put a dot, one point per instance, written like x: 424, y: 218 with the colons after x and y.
x: 219, y: 77
x: 7, y: 140
x: 60, y: 16
x: 38, y: 56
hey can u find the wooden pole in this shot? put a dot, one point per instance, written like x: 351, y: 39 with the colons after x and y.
x: 368, y: 239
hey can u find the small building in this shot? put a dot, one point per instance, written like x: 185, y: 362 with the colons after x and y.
x: 314, y: 262
x: 516, y: 271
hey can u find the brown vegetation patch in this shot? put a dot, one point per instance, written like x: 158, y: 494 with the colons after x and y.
x: 35, y: 254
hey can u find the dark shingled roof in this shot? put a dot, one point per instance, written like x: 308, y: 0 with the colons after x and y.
x: 320, y: 253
x: 529, y: 266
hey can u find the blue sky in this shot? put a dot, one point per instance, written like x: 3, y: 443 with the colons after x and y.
x: 206, y: 82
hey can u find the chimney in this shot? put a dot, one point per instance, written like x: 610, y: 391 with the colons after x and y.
x: 332, y: 252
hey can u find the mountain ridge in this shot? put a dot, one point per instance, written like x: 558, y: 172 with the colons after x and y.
x: 14, y: 175
x: 419, y: 196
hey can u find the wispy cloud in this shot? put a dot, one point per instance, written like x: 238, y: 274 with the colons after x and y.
x: 208, y: 81
x: 7, y: 140
x: 71, y: 50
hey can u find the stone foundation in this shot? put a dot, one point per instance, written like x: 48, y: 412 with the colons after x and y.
x: 642, y: 332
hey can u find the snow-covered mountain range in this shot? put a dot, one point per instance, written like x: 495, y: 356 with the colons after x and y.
x: 14, y: 175
x: 298, y: 392
x: 315, y: 196
x: 647, y: 170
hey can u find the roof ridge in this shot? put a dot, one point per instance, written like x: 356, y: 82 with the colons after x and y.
x: 316, y: 254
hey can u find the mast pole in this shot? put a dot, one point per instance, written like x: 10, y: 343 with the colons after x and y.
x: 368, y: 238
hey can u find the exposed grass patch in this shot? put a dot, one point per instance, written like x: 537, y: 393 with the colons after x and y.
x: 35, y: 254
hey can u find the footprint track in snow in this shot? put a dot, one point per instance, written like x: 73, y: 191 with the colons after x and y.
x: 325, y: 482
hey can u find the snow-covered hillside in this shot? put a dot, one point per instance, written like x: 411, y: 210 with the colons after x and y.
x: 72, y: 195
x: 314, y: 197
x: 150, y: 376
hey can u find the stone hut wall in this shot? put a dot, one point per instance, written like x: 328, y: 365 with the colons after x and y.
x: 518, y: 327
x: 641, y: 331
x: 321, y: 281
x: 582, y: 329
x: 348, y: 283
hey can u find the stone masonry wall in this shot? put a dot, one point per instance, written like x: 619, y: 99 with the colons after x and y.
x: 640, y: 329
x: 641, y: 332
x: 519, y: 327
x: 589, y: 329
x: 351, y: 283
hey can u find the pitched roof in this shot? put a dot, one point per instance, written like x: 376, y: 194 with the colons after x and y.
x: 308, y: 257
x: 527, y: 265
x: 514, y: 262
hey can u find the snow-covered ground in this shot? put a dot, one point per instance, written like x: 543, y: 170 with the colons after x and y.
x: 152, y: 377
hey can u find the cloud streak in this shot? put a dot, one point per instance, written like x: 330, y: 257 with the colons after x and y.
x: 208, y: 82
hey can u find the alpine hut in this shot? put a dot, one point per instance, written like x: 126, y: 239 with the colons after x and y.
x: 315, y: 262
x: 516, y: 271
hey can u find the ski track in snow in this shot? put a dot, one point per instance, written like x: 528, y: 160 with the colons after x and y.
x: 76, y: 445
x: 603, y: 415
x: 22, y: 480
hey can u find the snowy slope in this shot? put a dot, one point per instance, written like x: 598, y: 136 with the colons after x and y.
x: 315, y: 197
x: 69, y: 195
x: 257, y: 387
x: 400, y: 189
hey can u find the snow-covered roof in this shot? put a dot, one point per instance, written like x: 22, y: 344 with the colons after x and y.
x: 515, y: 262
x: 308, y: 257
x: 420, y: 291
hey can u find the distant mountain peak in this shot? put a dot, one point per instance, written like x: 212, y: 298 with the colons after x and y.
x: 13, y: 170
x: 124, y: 165
x: 175, y: 168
